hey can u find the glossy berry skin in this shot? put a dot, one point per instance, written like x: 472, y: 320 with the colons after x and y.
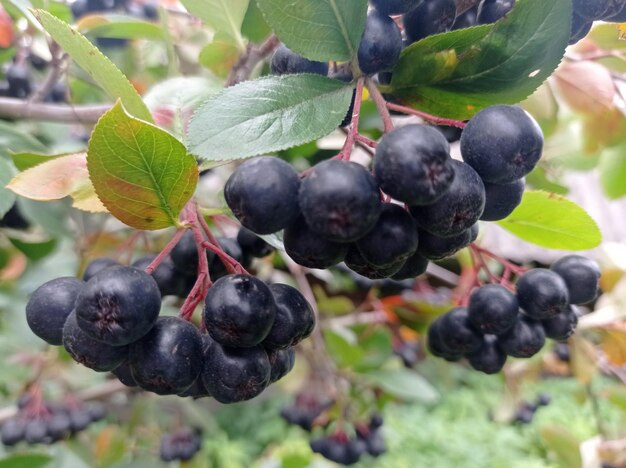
x: 414, y: 266
x: 294, y: 321
x: 285, y: 61
x: 124, y: 375
x: 502, y: 143
x: 502, y: 199
x: 340, y: 200
x: 50, y: 305
x: 97, y: 265
x: 524, y: 339
x: 169, y: 280
x: 562, y: 326
x: 119, y: 305
x: 430, y: 17
x: 311, y: 250
x: 263, y: 194
x: 436, y: 248
x: 357, y: 263
x: 466, y: 20
x: 456, y: 332
x: 393, y: 238
x: 492, y: 309
x: 236, y: 374
x: 436, y: 345
x: 281, y: 362
x: 381, y: 44
x: 491, y: 11
x: 542, y: 294
x: 168, y: 359
x: 591, y: 9
x: 413, y: 165
x: 253, y: 244
x: 394, y: 7
x: 580, y: 28
x: 616, y: 16
x: 458, y: 209
x: 239, y: 311
x: 489, y: 358
x: 91, y: 353
x: 581, y: 275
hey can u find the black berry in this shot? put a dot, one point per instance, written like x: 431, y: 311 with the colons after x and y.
x: 524, y: 339
x: 591, y: 9
x: 281, y: 362
x: 380, y: 45
x: 491, y: 11
x: 436, y: 248
x: 414, y: 266
x: 456, y: 332
x: 394, y: 7
x: 311, y: 250
x: 502, y: 199
x: 253, y: 244
x: 489, y: 358
x: 285, y: 61
x: 97, y: 265
x: 492, y: 309
x: 356, y: 262
x: 430, y: 17
x: 561, y: 326
x: 581, y: 275
x: 294, y: 321
x: 542, y: 294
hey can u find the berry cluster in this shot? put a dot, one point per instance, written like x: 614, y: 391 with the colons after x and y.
x: 42, y: 422
x: 111, y: 323
x: 305, y: 411
x: 498, y: 323
x: 526, y: 411
x: 335, y: 213
x: 181, y: 444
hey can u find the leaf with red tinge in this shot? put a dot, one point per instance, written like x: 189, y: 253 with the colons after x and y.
x: 141, y: 173
x: 6, y: 29
x: 58, y: 178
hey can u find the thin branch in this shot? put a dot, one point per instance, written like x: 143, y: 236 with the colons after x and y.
x: 381, y: 105
x: 20, y: 109
x: 428, y: 117
x: 250, y: 59
x: 57, y: 66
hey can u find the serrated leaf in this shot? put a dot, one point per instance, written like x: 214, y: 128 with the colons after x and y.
x: 26, y: 160
x: 57, y: 178
x: 99, y: 67
x: 321, y: 30
x: 266, y: 115
x: 7, y: 198
x: 552, y: 221
x: 613, y: 172
x: 221, y: 15
x: 458, y: 73
x: 404, y: 384
x: 119, y: 26
x: 142, y: 174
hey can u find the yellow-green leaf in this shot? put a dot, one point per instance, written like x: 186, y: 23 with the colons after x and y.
x: 142, y: 174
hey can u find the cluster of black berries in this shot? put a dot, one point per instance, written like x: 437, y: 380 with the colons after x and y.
x: 181, y: 444
x: 341, y: 448
x: 41, y: 422
x: 305, y: 411
x: 526, y: 410
x: 111, y: 323
x: 588, y: 11
x: 498, y: 323
x: 336, y: 214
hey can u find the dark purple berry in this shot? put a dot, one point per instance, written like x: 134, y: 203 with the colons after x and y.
x: 311, y: 250
x: 524, y: 339
x: 285, y: 61
x: 394, y: 7
x: 492, y: 309
x: 561, y: 326
x: 253, y: 244
x: 414, y: 266
x: 281, y: 362
x: 489, y: 358
x: 456, y: 332
x: 430, y: 17
x: 381, y: 44
x: 97, y: 265
x: 542, y: 294
x: 491, y: 11
x: 581, y: 275
x: 501, y: 200
x: 294, y: 320
x: 436, y: 248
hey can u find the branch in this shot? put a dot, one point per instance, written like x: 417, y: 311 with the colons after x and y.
x: 250, y: 59
x: 463, y: 5
x: 54, y: 75
x: 20, y: 109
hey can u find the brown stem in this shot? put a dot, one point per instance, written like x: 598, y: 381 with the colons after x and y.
x: 250, y: 59
x: 165, y: 252
x: 21, y: 109
x: 57, y: 65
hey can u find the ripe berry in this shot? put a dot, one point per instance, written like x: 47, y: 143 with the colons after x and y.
x: 124, y: 375
x: 413, y: 164
x: 501, y: 200
x: 185, y: 254
x: 489, y: 358
x: 169, y: 358
x: 281, y: 362
x: 311, y: 250
x: 294, y: 320
x: 169, y: 280
x: 35, y: 431
x: 394, y: 7
x: 236, y: 374
x: 79, y: 419
x: 492, y: 309
x: 466, y: 20
x: 285, y: 61
x: 458, y: 209
x: 430, y: 17
x: 561, y: 326
x: 253, y: 244
x: 263, y: 194
x: 59, y: 426
x: 239, y: 311
x: 119, y: 305
x: 591, y: 9
x: 97, y: 265
x: 524, y: 339
x: 50, y: 305
x: 502, y: 143
x: 19, y: 79
x: 197, y: 389
x: 380, y: 45
x: 436, y: 248
x: 393, y: 238
x: 580, y: 28
x: 581, y: 275
x: 12, y: 431
x: 414, y: 266
x: 456, y: 332
x: 542, y: 294
x: 616, y: 14
x: 356, y: 262
x: 340, y: 200
x: 89, y: 352
x: 491, y: 11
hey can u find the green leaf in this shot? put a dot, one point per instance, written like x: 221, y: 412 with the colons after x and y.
x: 26, y: 160
x: 343, y: 352
x: 24, y: 8
x: 12, y: 139
x: 35, y: 250
x: 119, y: 26
x: 613, y: 172
x: 552, y: 221
x: 25, y: 460
x: 318, y: 29
x: 266, y: 115
x: 221, y: 15
x: 404, y: 384
x: 456, y: 74
x: 219, y: 56
x: 7, y: 197
x: 141, y: 173
x: 99, y: 67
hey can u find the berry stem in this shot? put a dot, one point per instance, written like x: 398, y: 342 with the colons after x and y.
x: 513, y: 268
x: 426, y: 116
x: 381, y: 105
x: 165, y: 252
x: 353, y: 133
x: 366, y: 141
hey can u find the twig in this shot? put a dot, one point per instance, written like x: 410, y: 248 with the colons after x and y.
x: 348, y: 145
x: 56, y: 70
x: 381, y: 105
x: 250, y: 59
x: 463, y: 5
x: 165, y: 252
x: 360, y: 144
x: 20, y: 109
x: 424, y: 115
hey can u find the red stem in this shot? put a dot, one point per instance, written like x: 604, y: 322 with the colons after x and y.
x: 366, y: 141
x: 165, y: 252
x: 381, y: 105
x: 426, y: 116
x: 353, y: 133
